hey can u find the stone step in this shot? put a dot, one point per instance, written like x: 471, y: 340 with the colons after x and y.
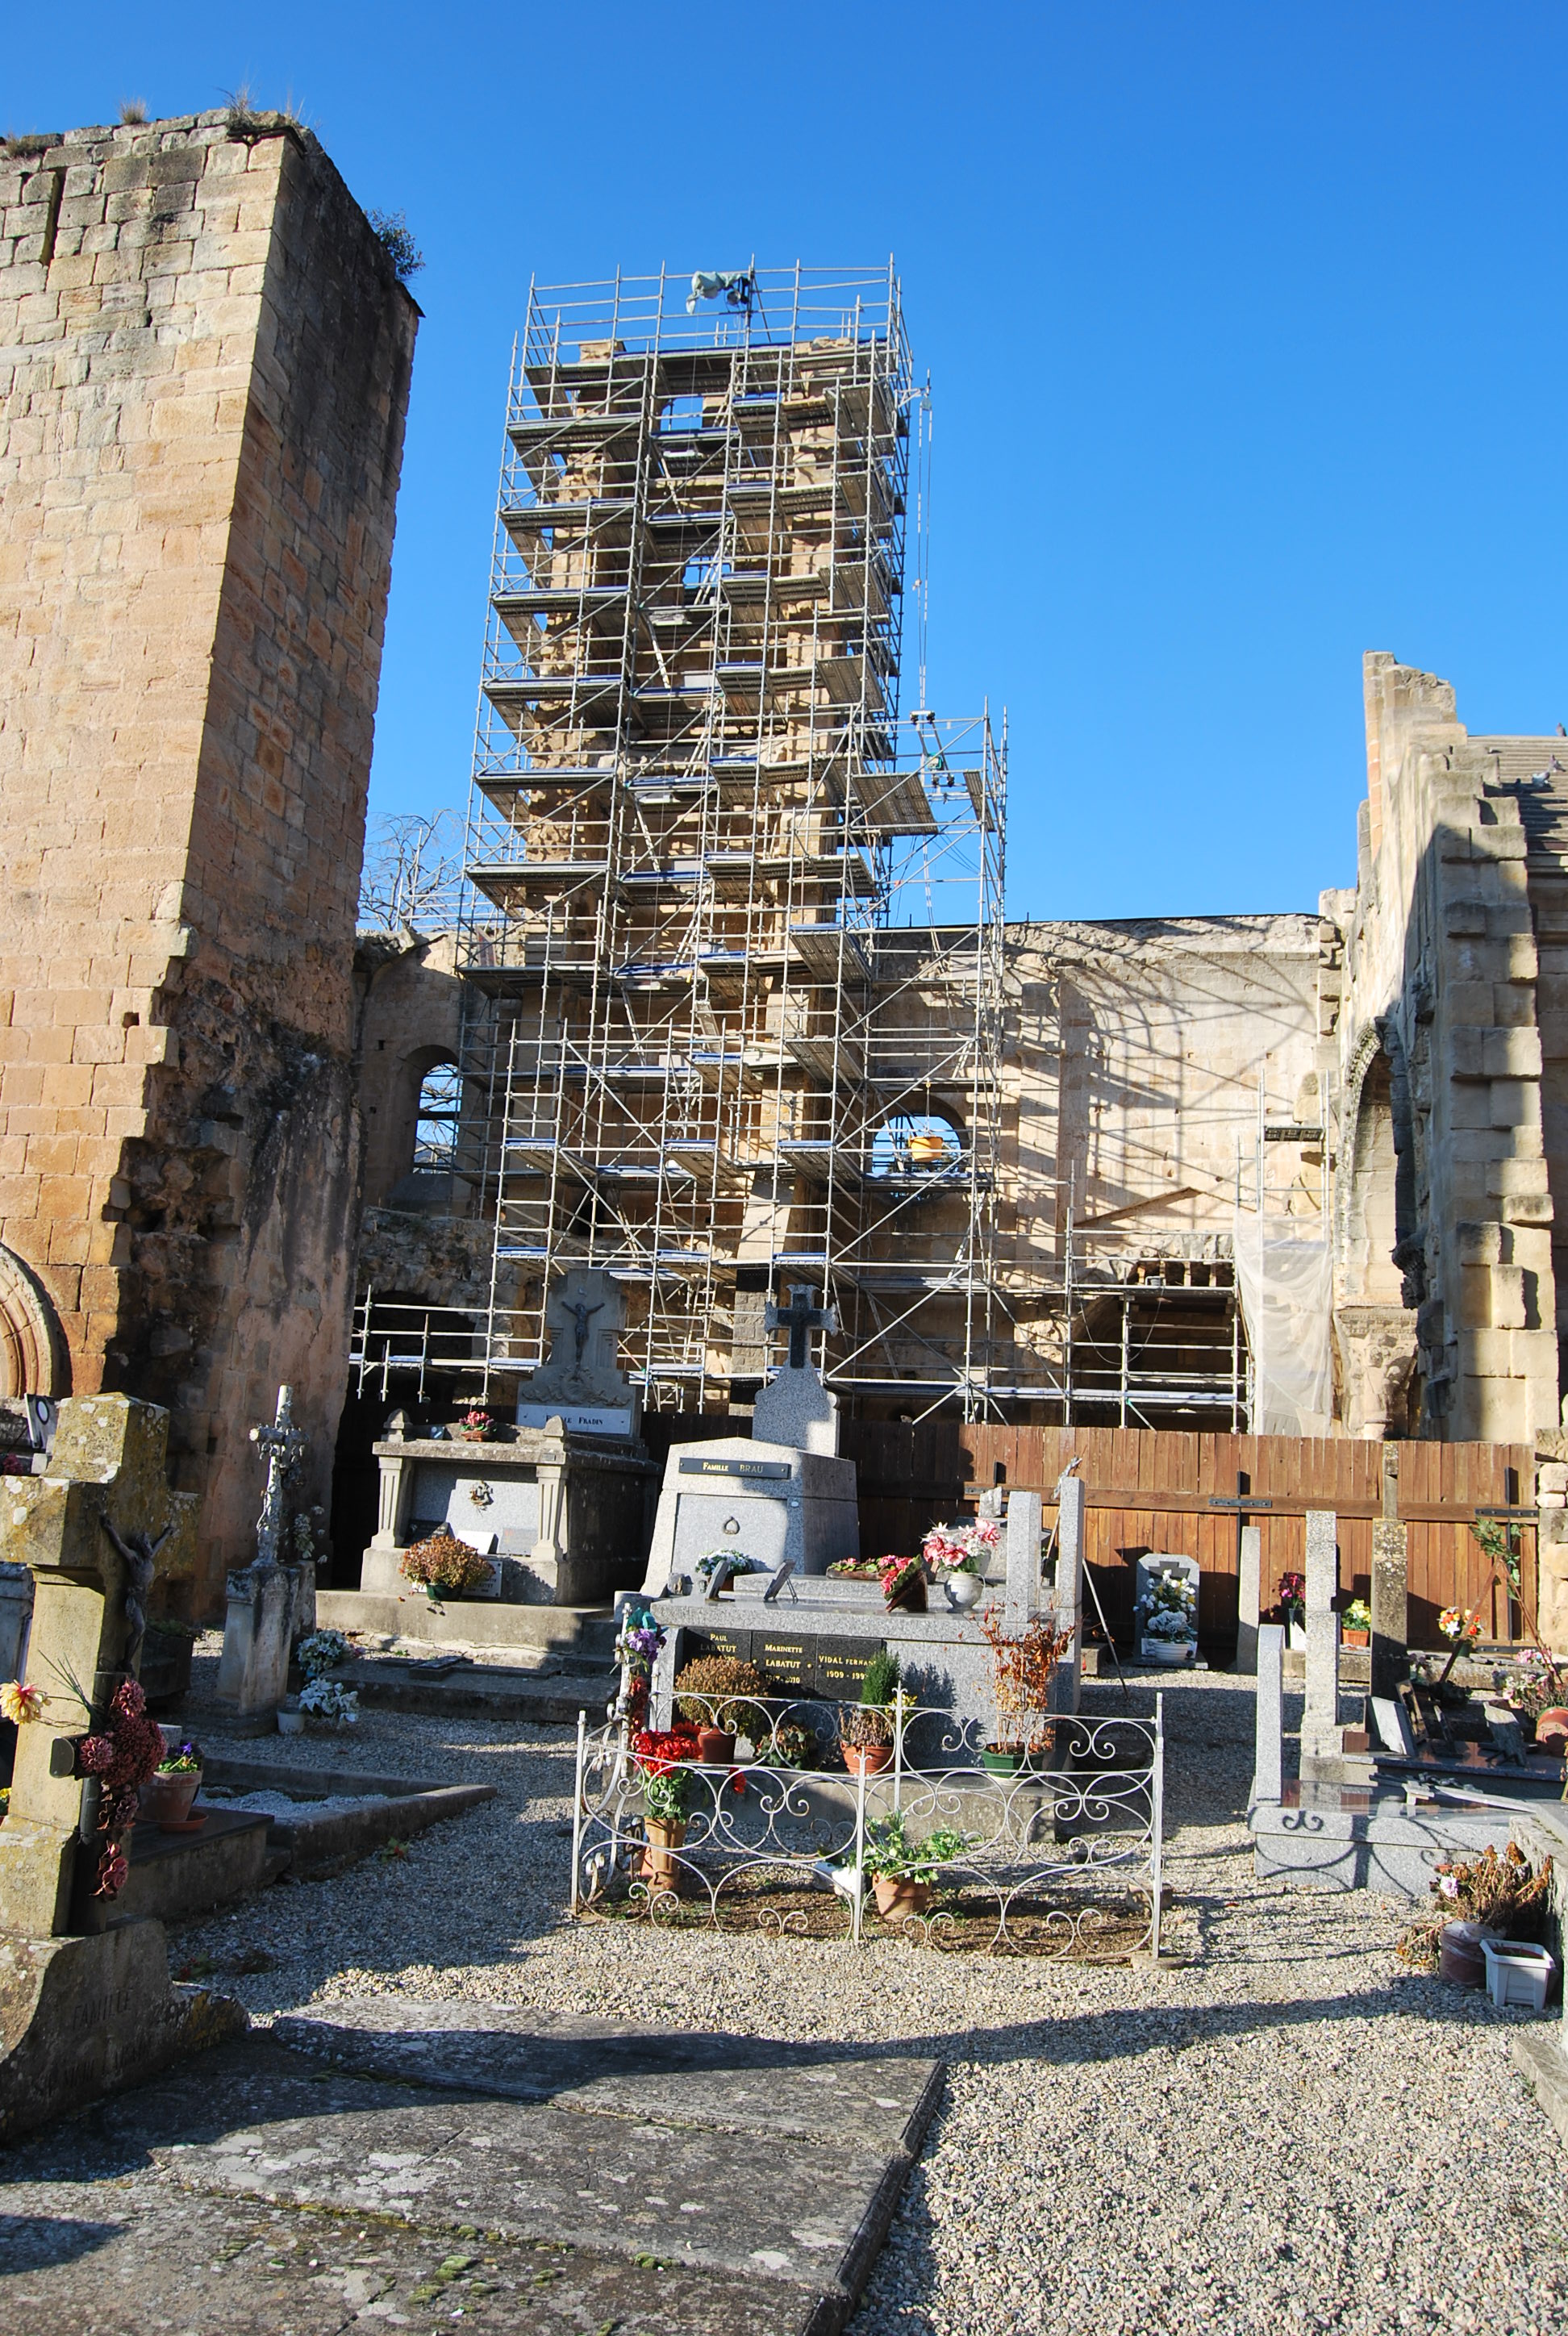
x: 480, y: 1691
x: 454, y: 2159
x: 588, y: 1631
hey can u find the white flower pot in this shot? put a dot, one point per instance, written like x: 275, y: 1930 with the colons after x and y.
x: 1169, y: 1654
x: 963, y: 1591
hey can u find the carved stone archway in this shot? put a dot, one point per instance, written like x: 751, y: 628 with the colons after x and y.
x: 32, y: 1346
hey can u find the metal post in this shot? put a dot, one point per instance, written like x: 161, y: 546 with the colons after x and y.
x: 577, y: 1804
x: 1157, y: 1819
x: 860, y: 1868
x: 898, y: 1751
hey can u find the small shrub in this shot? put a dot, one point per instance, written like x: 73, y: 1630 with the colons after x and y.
x: 881, y: 1683
x: 720, y: 1691
x: 396, y: 238
x: 444, y: 1562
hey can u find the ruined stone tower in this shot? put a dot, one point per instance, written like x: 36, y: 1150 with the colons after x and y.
x: 204, y: 366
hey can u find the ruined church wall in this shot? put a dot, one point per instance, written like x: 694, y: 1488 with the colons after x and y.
x: 206, y: 372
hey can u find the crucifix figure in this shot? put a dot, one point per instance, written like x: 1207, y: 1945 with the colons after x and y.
x: 282, y: 1445
x: 798, y: 1317
x: 582, y: 1314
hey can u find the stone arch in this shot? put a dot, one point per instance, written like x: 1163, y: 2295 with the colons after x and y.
x: 33, y: 1356
x: 1372, y: 1230
x: 1379, y: 1262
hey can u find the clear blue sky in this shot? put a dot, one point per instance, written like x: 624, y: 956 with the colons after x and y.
x: 1245, y: 325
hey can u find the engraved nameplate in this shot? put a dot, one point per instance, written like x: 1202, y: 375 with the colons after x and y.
x: 774, y: 1468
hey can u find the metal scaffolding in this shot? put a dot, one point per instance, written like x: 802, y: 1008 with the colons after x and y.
x: 733, y: 937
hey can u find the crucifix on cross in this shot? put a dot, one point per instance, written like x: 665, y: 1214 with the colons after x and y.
x: 281, y: 1445
x: 799, y: 1317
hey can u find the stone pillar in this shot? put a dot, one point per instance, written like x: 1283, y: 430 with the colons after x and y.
x: 1390, y: 1659
x: 1023, y: 1555
x: 548, y: 1551
x: 1320, y: 1721
x: 1249, y: 1594
x: 259, y: 1629
x: 1067, y: 1688
x: 1267, y: 1760
x: 396, y: 1496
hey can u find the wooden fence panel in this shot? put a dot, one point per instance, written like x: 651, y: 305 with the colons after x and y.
x: 1152, y: 1490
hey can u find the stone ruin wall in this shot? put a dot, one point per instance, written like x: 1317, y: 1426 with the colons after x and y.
x: 204, y: 367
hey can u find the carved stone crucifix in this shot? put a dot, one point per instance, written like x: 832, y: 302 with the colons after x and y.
x: 281, y: 1445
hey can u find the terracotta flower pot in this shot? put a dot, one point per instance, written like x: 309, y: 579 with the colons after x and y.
x: 1356, y: 1637
x: 658, y: 1860
x: 715, y: 1747
x: 897, y: 1894
x: 866, y: 1759
x: 166, y: 1798
x: 1552, y: 1726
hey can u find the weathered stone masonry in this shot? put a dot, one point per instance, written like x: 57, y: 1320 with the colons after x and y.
x: 204, y: 367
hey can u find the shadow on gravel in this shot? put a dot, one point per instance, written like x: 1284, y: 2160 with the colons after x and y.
x: 33, y: 2241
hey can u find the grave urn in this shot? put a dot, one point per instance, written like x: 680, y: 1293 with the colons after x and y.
x: 963, y: 1591
x: 898, y: 1894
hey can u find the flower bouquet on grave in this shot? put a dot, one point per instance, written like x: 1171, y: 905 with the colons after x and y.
x: 1356, y: 1623
x: 330, y: 1704
x: 321, y: 1653
x: 1291, y: 1595
x: 443, y: 1565
x: 857, y: 1569
x: 868, y: 1729
x: 903, y: 1580
x: 1497, y: 1896
x: 1170, y: 1627
x: 637, y: 1648
x: 959, y: 1553
x: 903, y: 1872
x: 1022, y: 1669
x: 19, y: 1704
x: 475, y: 1425
x: 1455, y: 1623
x: 664, y: 1757
x: 121, y: 1758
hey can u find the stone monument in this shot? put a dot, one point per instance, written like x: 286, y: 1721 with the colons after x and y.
x: 581, y: 1383
x: 272, y: 1600
x: 84, y: 2013
x: 772, y: 1496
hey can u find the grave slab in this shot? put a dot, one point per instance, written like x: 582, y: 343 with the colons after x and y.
x: 615, y: 2191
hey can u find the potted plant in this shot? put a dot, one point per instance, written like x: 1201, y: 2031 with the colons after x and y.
x: 1356, y: 1623
x: 329, y: 1704
x: 664, y: 1757
x: 475, y: 1425
x: 1292, y: 1597
x: 716, y: 1696
x: 903, y: 1580
x: 1022, y: 1669
x: 1169, y: 1629
x: 444, y: 1566
x: 957, y: 1553
x: 868, y: 1727
x: 901, y: 1872
x: 165, y: 1798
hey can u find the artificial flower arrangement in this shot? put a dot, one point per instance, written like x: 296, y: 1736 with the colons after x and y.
x: 20, y: 1704
x: 637, y: 1646
x: 1506, y: 1893
x: 1172, y: 1609
x: 1356, y: 1622
x: 1292, y: 1597
x: 476, y: 1426
x: 1455, y: 1623
x: 857, y: 1569
x: 903, y: 1580
x: 331, y: 1703
x: 443, y: 1563
x: 962, y: 1549
x: 321, y: 1653
x: 121, y: 1758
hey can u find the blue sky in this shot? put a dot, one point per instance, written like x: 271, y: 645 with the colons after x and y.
x: 1245, y: 326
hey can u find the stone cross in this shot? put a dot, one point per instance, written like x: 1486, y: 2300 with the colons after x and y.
x: 1249, y: 1594
x: 102, y: 1498
x: 281, y: 1445
x: 798, y: 1317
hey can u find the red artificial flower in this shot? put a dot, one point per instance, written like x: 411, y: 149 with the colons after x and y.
x: 658, y: 1751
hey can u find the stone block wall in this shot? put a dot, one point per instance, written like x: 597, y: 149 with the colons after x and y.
x: 204, y: 367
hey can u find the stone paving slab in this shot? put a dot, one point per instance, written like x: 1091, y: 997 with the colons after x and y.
x: 634, y: 2204
x: 742, y: 2084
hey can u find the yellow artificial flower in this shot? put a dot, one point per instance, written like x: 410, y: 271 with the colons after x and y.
x: 20, y: 1704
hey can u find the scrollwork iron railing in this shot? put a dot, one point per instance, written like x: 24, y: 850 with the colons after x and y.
x: 1055, y: 1850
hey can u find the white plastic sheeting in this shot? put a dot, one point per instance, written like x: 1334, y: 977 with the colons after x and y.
x: 1286, y: 1287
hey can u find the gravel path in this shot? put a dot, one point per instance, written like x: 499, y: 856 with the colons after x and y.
x: 1290, y: 2133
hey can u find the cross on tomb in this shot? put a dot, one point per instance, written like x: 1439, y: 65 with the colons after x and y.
x: 281, y: 1445
x: 798, y: 1317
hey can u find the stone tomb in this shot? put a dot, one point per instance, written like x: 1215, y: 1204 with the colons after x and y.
x: 581, y: 1383
x: 770, y: 1500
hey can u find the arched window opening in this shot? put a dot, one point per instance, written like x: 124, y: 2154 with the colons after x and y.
x: 1373, y: 1277
x: 435, y: 1124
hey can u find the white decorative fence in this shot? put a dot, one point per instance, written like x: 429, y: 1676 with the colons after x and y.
x: 1052, y: 1855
